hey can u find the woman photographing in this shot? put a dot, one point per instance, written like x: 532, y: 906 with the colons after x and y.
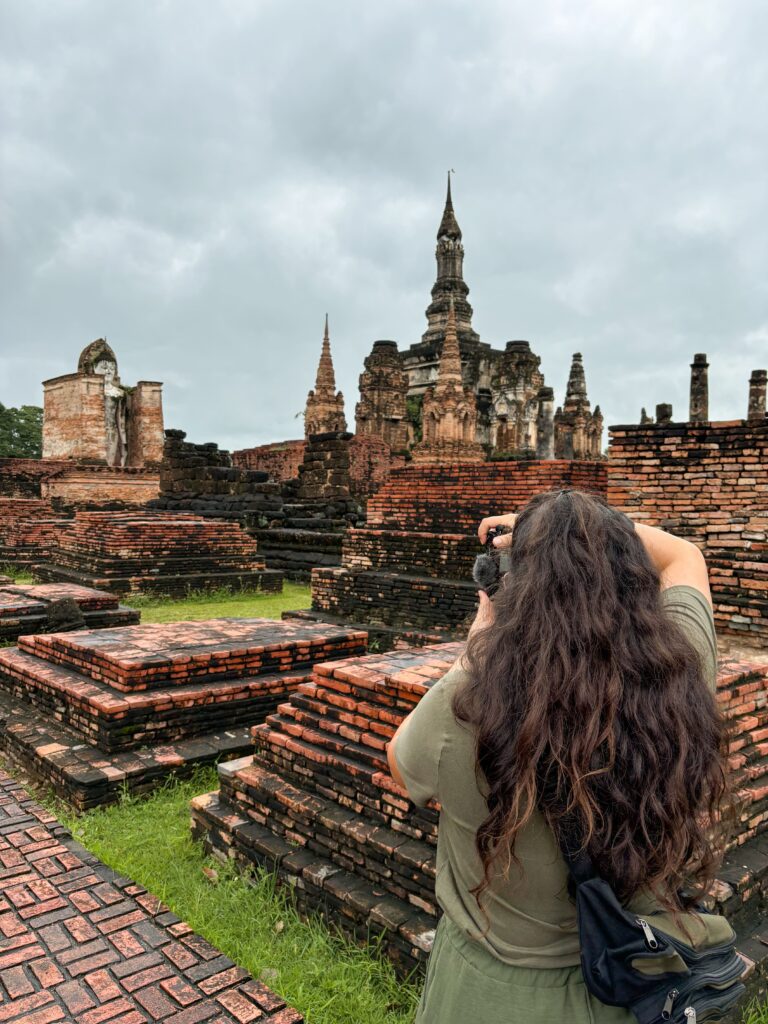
x: 582, y: 712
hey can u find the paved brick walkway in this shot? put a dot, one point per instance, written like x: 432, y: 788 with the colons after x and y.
x: 80, y: 943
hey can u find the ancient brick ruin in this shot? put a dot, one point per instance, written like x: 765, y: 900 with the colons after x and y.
x: 43, y: 608
x: 156, y: 553
x: 280, y: 461
x: 449, y: 409
x: 92, y: 711
x: 324, y: 412
x: 381, y: 411
x: 578, y: 431
x: 90, y: 416
x: 707, y: 482
x: 407, y: 573
x: 316, y: 803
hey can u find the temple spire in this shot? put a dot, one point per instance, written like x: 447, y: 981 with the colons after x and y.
x: 324, y: 412
x: 326, y: 377
x: 449, y: 369
x: 577, y: 384
x: 449, y: 227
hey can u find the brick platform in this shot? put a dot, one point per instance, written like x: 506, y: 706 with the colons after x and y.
x: 81, y: 943
x: 156, y: 553
x: 92, y: 711
x: 25, y: 608
x: 316, y: 802
x: 408, y: 572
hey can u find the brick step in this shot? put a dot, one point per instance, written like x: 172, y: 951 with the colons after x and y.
x: 83, y: 775
x: 171, y: 654
x: 362, y: 910
x: 122, y: 721
x: 373, y: 794
x: 399, y: 864
x: 12, y: 629
x: 266, y: 580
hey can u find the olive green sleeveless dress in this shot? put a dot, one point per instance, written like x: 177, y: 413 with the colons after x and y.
x: 521, y: 962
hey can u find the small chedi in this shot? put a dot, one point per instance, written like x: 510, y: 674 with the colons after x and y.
x: 93, y: 711
x: 382, y: 409
x: 578, y: 432
x: 324, y: 413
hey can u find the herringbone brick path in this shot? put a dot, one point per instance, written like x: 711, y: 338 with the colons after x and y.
x: 80, y: 943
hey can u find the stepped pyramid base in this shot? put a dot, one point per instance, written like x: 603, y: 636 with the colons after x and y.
x: 92, y: 711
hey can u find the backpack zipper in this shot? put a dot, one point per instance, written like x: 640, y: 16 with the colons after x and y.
x: 690, y: 1013
x: 669, y: 1004
x: 650, y: 939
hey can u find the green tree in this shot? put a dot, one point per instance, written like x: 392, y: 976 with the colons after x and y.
x: 21, y: 432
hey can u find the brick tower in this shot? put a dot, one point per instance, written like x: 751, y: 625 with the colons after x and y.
x: 578, y: 430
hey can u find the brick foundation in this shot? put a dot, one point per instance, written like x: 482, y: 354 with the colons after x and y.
x: 156, y: 553
x: 91, y: 711
x: 280, y: 461
x: 408, y: 571
x: 707, y: 482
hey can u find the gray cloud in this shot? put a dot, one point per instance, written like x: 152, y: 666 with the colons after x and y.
x: 201, y: 182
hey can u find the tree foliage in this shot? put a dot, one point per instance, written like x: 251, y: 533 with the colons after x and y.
x: 21, y: 432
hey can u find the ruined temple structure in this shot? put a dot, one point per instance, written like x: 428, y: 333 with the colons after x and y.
x: 91, y: 416
x: 449, y: 409
x: 382, y: 411
x: 91, y: 712
x: 578, y: 431
x: 148, y: 552
x: 55, y: 607
x: 324, y: 411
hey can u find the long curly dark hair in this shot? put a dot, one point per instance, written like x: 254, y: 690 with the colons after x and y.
x: 589, y: 702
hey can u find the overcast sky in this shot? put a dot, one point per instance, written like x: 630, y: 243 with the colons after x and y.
x: 201, y: 181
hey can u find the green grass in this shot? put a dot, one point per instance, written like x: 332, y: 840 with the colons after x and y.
x: 756, y: 1013
x: 329, y: 980
x: 17, y: 574
x: 221, y: 604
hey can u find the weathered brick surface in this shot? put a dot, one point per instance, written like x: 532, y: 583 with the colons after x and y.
x: 21, y: 535
x: 707, y: 482
x: 409, y: 569
x: 26, y: 608
x: 316, y: 802
x: 84, y: 486
x: 157, y: 553
x: 81, y: 943
x: 91, y: 711
x: 22, y: 478
x: 279, y: 461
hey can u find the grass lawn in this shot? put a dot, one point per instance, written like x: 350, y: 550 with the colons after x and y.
x: 222, y: 604
x: 325, y: 977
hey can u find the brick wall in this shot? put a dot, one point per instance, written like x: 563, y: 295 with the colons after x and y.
x: 455, y: 498
x: 94, y: 486
x: 74, y: 424
x: 370, y: 464
x: 21, y: 478
x: 281, y: 460
x: 707, y: 482
x: 145, y: 424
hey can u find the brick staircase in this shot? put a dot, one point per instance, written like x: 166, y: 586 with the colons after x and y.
x: 316, y: 804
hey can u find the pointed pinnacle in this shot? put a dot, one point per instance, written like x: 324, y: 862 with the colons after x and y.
x: 449, y: 227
